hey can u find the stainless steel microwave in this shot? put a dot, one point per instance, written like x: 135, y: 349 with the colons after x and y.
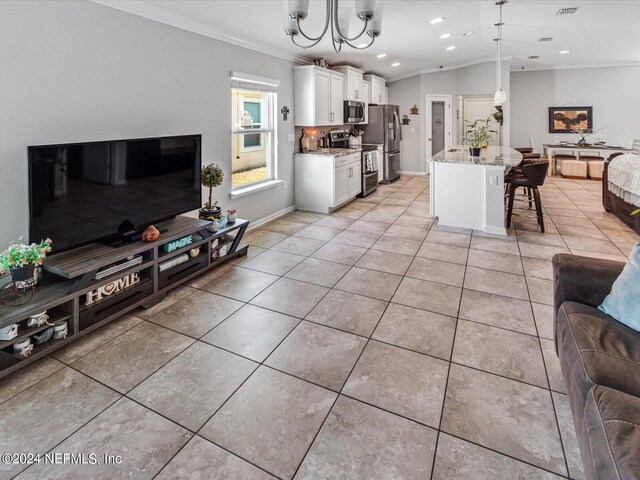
x: 354, y: 111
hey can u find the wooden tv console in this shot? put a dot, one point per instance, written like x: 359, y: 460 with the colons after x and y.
x: 69, y: 291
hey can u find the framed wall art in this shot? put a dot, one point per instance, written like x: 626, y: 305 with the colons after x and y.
x: 569, y: 119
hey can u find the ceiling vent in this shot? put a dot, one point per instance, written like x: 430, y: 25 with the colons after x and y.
x: 533, y: 57
x: 567, y: 11
x: 545, y: 39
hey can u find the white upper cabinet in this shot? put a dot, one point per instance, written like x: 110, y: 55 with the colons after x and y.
x: 377, y: 92
x: 318, y: 96
x: 353, y: 83
x: 386, y: 96
x: 365, y: 99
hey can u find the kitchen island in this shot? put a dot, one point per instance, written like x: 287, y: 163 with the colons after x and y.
x: 468, y: 192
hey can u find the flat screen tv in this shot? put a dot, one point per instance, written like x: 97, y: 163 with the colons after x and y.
x: 109, y: 191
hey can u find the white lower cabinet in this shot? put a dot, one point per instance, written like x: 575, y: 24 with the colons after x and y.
x: 324, y: 183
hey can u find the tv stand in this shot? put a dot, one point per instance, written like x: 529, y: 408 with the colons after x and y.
x: 69, y: 291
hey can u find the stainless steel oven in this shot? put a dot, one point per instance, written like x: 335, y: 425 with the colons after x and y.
x: 354, y: 111
x: 370, y: 165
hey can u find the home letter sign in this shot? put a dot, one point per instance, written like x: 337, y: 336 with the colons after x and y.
x: 112, y: 288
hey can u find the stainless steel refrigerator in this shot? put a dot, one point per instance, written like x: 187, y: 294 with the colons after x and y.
x: 384, y: 129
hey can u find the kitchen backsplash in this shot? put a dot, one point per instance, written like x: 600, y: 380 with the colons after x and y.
x: 321, y: 132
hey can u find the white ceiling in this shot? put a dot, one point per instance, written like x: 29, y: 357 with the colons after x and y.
x: 599, y: 33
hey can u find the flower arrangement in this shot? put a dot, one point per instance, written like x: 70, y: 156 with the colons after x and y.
x: 20, y: 255
x: 231, y: 216
x: 212, y: 176
x: 232, y: 211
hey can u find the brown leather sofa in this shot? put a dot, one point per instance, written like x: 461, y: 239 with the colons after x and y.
x: 600, y: 361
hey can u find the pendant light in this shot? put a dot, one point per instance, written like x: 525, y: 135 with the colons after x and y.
x: 500, y: 98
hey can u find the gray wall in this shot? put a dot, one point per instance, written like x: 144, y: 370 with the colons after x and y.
x: 406, y: 93
x: 472, y: 80
x: 76, y: 71
x: 612, y: 91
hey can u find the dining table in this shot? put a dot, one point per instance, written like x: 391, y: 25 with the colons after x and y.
x: 580, y: 151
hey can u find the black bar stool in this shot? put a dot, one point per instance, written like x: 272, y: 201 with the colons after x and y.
x: 530, y: 176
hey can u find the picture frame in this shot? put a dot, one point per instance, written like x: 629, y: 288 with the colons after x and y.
x: 570, y: 119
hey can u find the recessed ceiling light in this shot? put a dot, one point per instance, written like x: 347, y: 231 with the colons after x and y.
x: 362, y: 45
x: 452, y: 47
x: 466, y: 34
x: 564, y: 52
x: 445, y: 35
x: 382, y: 55
x: 395, y: 64
x: 437, y: 20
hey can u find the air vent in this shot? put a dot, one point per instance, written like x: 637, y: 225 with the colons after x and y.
x: 567, y: 11
x: 545, y: 39
x: 533, y: 57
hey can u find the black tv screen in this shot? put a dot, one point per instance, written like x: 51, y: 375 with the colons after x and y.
x: 86, y: 192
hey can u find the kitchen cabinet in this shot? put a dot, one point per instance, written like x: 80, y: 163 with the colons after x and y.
x: 386, y: 95
x: 325, y: 182
x: 377, y: 91
x: 366, y: 99
x: 353, y: 83
x: 318, y: 96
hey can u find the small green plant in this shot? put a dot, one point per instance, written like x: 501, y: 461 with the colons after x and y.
x: 478, y: 132
x: 212, y: 176
x: 20, y: 255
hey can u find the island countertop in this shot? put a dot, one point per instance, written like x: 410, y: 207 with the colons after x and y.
x: 492, y: 155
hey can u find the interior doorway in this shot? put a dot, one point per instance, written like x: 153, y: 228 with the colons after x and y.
x: 473, y: 107
x: 438, y: 123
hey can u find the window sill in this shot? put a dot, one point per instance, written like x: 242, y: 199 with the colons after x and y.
x: 258, y: 187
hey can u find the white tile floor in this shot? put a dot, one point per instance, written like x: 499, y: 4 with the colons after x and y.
x: 369, y: 343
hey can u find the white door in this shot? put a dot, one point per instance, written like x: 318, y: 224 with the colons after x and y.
x: 439, y: 124
x: 480, y: 107
x: 323, y: 98
x: 337, y: 99
x: 341, y: 184
x: 355, y: 181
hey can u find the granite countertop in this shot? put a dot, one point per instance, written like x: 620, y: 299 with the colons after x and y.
x: 332, y: 152
x: 497, y: 156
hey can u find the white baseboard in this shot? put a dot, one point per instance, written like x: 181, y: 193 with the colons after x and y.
x: 269, y: 218
x: 409, y: 172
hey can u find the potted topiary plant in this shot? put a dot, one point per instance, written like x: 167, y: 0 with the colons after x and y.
x: 20, y: 260
x: 212, y: 176
x: 477, y: 135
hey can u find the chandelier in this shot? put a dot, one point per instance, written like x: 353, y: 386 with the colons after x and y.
x: 334, y: 16
x: 500, y: 98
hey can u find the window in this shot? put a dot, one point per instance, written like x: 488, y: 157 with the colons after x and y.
x: 253, y: 137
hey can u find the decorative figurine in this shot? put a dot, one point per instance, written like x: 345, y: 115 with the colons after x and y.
x: 414, y: 110
x: 231, y: 216
x: 194, y: 252
x: 151, y: 234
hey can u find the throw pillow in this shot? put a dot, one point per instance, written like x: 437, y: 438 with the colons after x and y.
x: 623, y: 303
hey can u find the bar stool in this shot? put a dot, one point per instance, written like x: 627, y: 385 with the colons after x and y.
x: 533, y: 176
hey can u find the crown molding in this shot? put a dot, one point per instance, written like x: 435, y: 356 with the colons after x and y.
x: 446, y: 68
x: 157, y: 14
x: 537, y: 68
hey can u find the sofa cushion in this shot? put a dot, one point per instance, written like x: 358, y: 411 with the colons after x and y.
x: 612, y: 424
x: 623, y: 303
x: 595, y: 349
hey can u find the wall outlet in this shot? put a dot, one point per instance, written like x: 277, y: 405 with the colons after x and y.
x: 493, y: 180
x: 413, y: 130
x: 284, y: 184
x: 292, y: 137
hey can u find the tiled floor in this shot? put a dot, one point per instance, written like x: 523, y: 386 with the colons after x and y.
x: 369, y: 343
